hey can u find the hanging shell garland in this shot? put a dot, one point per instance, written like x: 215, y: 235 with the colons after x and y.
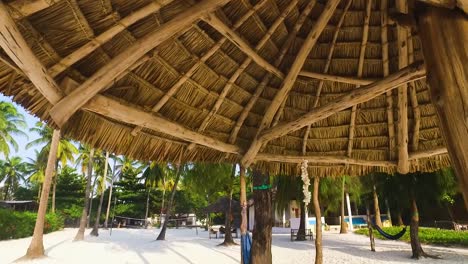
x: 306, y: 181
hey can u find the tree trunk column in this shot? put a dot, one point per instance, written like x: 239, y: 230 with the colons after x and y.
x: 414, y: 231
x: 261, y: 241
x: 243, y: 204
x: 444, y: 36
x: 378, y: 221
x: 343, y: 227
x: 36, y: 248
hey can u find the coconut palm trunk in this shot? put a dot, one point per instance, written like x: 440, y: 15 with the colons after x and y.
x: 54, y: 187
x: 95, y: 231
x: 301, y: 233
x: 261, y: 237
x: 147, y: 208
x: 378, y: 221
x: 84, y: 215
x: 399, y: 218
x: 162, y: 234
x: 36, y: 248
x: 318, y: 223
x: 343, y: 227
x: 90, y: 209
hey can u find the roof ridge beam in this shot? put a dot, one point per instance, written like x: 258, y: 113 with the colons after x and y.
x: 230, y: 34
x: 64, y: 109
x: 289, y: 80
x: 413, y: 72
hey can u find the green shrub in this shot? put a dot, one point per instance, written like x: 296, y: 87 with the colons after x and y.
x: 426, y: 235
x: 21, y: 224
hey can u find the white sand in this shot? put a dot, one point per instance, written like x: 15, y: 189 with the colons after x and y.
x: 184, y: 246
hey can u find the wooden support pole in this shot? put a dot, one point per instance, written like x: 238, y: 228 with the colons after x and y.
x: 369, y: 227
x: 444, y: 36
x: 318, y: 222
x: 107, y: 35
x: 290, y: 79
x: 402, y: 39
x: 413, y: 72
x: 64, y: 109
x: 36, y: 248
x: 243, y: 204
x: 262, y: 233
x: 266, y: 79
x: 222, y: 28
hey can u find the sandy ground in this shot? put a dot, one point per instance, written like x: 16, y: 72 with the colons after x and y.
x: 185, y: 246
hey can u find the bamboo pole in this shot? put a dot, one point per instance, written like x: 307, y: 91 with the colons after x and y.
x: 289, y: 80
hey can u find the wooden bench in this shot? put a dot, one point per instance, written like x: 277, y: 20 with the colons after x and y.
x: 308, y: 233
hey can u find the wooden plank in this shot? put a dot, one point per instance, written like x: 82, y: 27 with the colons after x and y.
x: 18, y: 50
x: 289, y: 80
x: 64, y: 109
x: 413, y: 72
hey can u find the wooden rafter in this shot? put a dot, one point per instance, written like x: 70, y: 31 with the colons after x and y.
x: 174, y: 88
x: 227, y: 32
x: 413, y: 72
x: 64, y: 109
x: 20, y: 9
x: 427, y: 153
x: 107, y: 35
x: 18, y: 50
x: 267, y: 77
x: 362, y: 55
x: 322, y: 159
x: 386, y: 72
x: 336, y: 78
x: 414, y: 100
x: 402, y: 36
x: 244, y: 66
x: 289, y: 80
x: 325, y: 77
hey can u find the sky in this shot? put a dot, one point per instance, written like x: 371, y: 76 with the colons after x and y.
x: 22, y: 141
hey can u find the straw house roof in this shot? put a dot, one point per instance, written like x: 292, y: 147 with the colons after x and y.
x: 265, y: 82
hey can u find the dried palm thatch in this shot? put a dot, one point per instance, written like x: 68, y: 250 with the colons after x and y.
x: 214, y: 80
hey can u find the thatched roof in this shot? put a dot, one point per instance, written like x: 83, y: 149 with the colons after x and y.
x: 235, y: 77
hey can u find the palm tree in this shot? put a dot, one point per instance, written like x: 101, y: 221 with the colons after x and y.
x: 152, y: 176
x: 11, y: 123
x: 101, y: 188
x: 85, y: 156
x: 113, y: 179
x: 98, y: 163
x: 12, y: 171
x: 36, y: 169
x: 36, y: 248
x: 65, y: 151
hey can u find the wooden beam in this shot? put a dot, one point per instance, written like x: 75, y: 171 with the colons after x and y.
x: 290, y: 79
x: 227, y: 32
x: 413, y: 72
x: 122, y: 112
x: 336, y: 78
x: 18, y: 50
x: 244, y: 66
x: 362, y: 55
x: 386, y: 72
x: 20, y: 9
x: 267, y: 77
x: 64, y: 109
x: 402, y: 139
x: 450, y: 4
x: 427, y: 153
x: 325, y: 71
x: 444, y: 34
x: 321, y: 159
x: 107, y: 35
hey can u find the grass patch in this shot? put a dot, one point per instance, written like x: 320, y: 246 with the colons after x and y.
x: 427, y: 235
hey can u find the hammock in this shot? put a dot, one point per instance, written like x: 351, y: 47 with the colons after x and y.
x: 246, y: 244
x: 388, y: 236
